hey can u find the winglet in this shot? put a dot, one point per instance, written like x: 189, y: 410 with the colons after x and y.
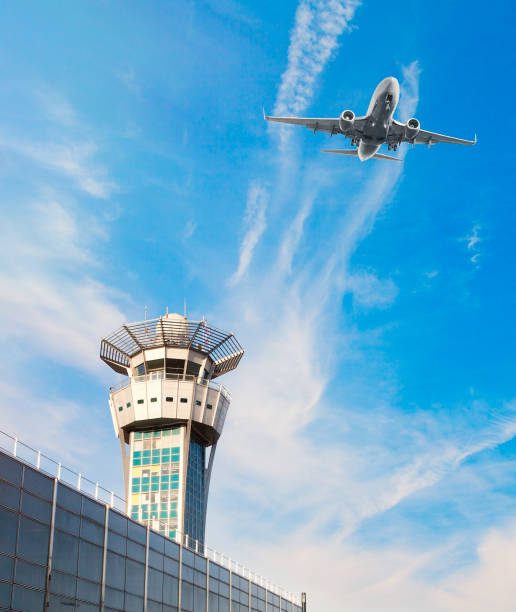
x: 264, y: 114
x: 475, y: 141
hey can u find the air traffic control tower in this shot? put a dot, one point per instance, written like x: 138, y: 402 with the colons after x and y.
x: 169, y: 413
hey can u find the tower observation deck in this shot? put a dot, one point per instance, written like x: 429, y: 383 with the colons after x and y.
x: 169, y: 412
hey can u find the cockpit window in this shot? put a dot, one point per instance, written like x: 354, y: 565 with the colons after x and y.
x: 388, y: 98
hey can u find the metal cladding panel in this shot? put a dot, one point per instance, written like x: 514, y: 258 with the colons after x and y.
x: 197, y: 412
x: 120, y: 400
x: 183, y: 410
x: 154, y: 399
x: 140, y: 412
x: 113, y: 416
x: 154, y: 411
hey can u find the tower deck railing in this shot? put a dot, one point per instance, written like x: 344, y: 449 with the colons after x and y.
x: 36, y: 459
x: 163, y: 375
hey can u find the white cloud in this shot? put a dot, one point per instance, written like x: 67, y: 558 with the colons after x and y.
x: 313, y: 41
x: 56, y: 106
x: 472, y: 241
x: 49, y: 301
x: 324, y: 453
x: 69, y: 158
x: 371, y: 292
x: 318, y: 25
x: 255, y: 224
x: 409, y: 90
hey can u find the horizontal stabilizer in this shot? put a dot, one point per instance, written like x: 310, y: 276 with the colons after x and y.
x: 354, y: 153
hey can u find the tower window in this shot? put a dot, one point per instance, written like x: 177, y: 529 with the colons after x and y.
x: 184, y: 400
x: 209, y: 406
x: 197, y: 402
x: 169, y: 399
x: 140, y: 401
x: 153, y: 399
x: 128, y: 405
x: 120, y: 408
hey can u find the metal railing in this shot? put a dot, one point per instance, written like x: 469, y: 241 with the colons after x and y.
x: 77, y: 480
x: 56, y: 469
x: 162, y: 375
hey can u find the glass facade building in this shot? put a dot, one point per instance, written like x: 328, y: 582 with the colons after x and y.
x: 156, y: 477
x: 62, y: 550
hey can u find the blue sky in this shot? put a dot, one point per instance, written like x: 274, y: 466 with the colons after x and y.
x: 372, y: 428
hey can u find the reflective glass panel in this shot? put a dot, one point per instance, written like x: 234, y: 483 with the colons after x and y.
x: 67, y: 521
x: 133, y: 603
x: 93, y: 510
x: 8, y: 525
x: 66, y: 551
x: 33, y: 540
x: 155, y: 584
x: 117, y: 522
x: 116, y: 542
x: 5, y: 594
x: 92, y: 531
x: 186, y: 596
x: 29, y: 574
x: 114, y: 598
x: 88, y: 591
x: 62, y: 583
x: 170, y: 589
x: 10, y: 470
x: 90, y: 561
x: 28, y: 600
x: 6, y: 567
x: 134, y: 574
x: 9, y: 495
x: 199, y: 599
x: 35, y: 507
x: 137, y: 532
x: 38, y: 484
x: 115, y: 570
x: 68, y: 499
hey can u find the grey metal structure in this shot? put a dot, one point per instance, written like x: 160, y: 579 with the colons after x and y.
x: 375, y: 128
x: 169, y: 412
x: 62, y: 549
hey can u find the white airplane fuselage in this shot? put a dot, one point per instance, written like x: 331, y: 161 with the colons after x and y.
x: 379, y: 117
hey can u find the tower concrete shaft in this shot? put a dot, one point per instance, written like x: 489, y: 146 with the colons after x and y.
x: 168, y: 414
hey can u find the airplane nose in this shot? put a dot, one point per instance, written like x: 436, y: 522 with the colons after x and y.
x: 394, y: 86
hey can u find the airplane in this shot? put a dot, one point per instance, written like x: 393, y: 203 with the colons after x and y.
x: 375, y: 128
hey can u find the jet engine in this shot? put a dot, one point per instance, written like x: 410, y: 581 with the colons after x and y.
x: 346, y: 120
x: 411, y: 128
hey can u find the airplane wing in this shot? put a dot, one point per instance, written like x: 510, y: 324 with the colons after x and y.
x: 354, y: 153
x: 397, y: 132
x: 321, y: 124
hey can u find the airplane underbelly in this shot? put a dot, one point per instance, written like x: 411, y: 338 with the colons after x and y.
x: 376, y: 129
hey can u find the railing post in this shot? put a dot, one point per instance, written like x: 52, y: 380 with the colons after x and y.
x: 38, y: 463
x: 112, y: 499
x: 59, y: 471
x: 15, y: 447
x: 96, y: 490
x: 79, y: 482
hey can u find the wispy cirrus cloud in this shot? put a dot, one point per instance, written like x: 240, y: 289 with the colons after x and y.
x: 254, y: 224
x: 314, y: 39
x: 71, y: 158
x: 472, y: 241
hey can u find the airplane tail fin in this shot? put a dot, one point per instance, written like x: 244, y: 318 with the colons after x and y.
x: 354, y: 153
